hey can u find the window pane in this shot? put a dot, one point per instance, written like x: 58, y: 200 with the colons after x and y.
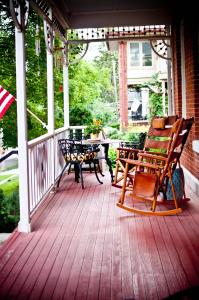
x: 134, y: 54
x: 146, y: 54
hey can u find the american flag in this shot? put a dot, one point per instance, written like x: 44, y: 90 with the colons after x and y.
x: 6, y: 100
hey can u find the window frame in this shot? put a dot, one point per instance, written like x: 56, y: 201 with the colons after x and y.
x: 141, y: 60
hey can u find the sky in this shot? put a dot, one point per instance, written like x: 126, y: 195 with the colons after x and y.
x: 92, y: 51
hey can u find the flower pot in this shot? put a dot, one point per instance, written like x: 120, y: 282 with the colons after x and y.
x: 94, y: 136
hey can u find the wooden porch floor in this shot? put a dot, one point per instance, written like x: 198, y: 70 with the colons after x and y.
x: 84, y: 247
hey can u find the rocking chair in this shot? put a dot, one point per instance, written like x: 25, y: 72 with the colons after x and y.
x: 151, y: 174
x: 158, y: 141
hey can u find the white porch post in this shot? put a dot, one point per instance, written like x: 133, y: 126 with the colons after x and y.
x: 51, y: 122
x: 145, y: 99
x: 50, y: 92
x: 48, y: 33
x: 171, y: 109
x: 163, y: 98
x: 66, y: 89
x: 24, y: 223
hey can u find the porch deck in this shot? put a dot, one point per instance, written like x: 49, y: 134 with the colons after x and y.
x: 84, y: 247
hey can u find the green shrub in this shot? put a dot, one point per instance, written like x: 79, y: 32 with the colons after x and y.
x: 112, y: 154
x: 80, y: 116
x: 115, y: 125
x: 9, y: 211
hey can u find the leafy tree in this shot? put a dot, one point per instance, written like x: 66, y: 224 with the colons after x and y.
x: 155, y: 96
x: 7, y: 73
x: 84, y: 87
x: 105, y: 106
x: 80, y: 116
x: 155, y: 104
x: 90, y: 84
x: 35, y: 76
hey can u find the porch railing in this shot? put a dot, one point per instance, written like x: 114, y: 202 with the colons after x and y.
x: 45, y: 164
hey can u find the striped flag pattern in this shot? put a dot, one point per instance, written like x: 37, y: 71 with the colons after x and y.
x: 6, y: 100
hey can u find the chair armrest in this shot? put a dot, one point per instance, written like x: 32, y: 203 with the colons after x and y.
x: 142, y: 164
x: 152, y: 156
x: 129, y: 150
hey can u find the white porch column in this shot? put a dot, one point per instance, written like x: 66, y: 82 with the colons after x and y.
x: 170, y: 91
x: 51, y: 122
x: 49, y: 36
x: 50, y: 92
x: 163, y: 98
x: 145, y: 100
x: 24, y: 223
x: 66, y: 89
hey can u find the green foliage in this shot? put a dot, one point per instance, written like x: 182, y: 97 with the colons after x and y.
x: 80, y: 115
x: 83, y: 84
x: 8, y: 126
x: 115, y: 125
x: 10, y: 186
x: 91, y: 84
x: 9, y: 211
x: 131, y: 135
x: 35, y: 77
x: 155, y: 105
x: 95, y: 127
x: 155, y: 97
x: 7, y: 75
x: 59, y: 105
x: 112, y: 154
x: 2, y: 177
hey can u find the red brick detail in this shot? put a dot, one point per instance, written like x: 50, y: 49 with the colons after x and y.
x: 190, y: 159
x: 123, y: 92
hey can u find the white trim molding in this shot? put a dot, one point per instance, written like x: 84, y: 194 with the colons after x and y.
x: 191, y: 182
x: 195, y: 146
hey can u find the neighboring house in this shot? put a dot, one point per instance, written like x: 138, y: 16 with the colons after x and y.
x: 137, y: 64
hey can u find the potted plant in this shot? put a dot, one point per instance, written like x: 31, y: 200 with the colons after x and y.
x: 94, y: 129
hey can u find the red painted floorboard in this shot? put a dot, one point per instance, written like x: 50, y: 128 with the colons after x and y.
x: 84, y: 247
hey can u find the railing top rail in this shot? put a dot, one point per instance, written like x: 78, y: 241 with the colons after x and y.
x: 47, y: 136
x: 40, y: 139
x: 77, y: 127
x: 5, y: 156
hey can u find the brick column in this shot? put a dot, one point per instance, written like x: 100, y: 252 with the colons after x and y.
x: 123, y: 93
x: 189, y: 159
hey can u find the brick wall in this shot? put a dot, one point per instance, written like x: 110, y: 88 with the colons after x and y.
x: 190, y: 159
x: 123, y: 92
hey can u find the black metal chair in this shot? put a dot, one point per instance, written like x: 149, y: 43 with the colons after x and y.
x: 78, y: 155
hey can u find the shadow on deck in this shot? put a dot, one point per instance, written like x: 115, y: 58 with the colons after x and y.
x: 84, y: 247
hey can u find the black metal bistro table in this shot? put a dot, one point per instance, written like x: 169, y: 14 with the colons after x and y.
x: 105, y: 143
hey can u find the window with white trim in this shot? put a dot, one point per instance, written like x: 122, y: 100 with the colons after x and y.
x: 140, y: 54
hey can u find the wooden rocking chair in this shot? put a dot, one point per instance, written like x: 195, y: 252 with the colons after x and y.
x: 158, y: 141
x: 152, y: 174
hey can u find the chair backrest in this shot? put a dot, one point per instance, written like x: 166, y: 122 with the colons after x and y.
x: 180, y: 138
x: 75, y: 151
x: 66, y: 147
x: 181, y: 132
x: 160, y: 135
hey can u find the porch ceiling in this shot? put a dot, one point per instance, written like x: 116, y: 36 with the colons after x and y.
x: 89, y: 13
